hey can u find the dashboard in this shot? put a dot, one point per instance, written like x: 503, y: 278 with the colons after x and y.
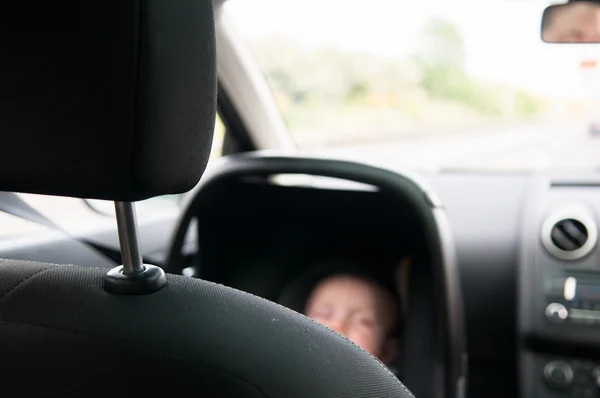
x: 484, y: 213
x: 530, y: 273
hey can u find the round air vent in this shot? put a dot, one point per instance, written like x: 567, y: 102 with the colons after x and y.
x: 569, y: 233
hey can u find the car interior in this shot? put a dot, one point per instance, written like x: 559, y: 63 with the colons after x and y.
x: 180, y: 179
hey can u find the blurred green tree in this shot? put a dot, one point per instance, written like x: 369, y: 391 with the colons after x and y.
x: 357, y: 93
x: 441, y: 56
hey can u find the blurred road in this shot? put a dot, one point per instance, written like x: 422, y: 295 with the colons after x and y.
x: 565, y: 146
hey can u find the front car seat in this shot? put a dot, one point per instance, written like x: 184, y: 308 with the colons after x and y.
x: 115, y: 99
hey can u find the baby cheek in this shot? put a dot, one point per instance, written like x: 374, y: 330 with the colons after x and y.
x: 367, y: 340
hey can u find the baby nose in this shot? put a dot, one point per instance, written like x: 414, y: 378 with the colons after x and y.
x: 339, y: 325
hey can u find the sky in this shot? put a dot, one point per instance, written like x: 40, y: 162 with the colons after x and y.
x: 502, y: 37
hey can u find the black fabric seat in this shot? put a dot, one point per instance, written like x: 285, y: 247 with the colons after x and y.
x: 61, y: 329
x: 116, y: 99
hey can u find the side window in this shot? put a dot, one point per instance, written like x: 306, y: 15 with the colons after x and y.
x: 218, y: 139
x: 78, y: 216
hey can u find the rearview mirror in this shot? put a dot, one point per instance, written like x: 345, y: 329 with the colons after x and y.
x: 575, y: 22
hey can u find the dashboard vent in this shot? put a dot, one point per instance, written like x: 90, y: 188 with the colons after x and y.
x: 569, y: 234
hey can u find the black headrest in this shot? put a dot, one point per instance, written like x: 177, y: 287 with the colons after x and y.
x: 111, y: 99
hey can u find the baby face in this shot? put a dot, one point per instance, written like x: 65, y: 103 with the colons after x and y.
x: 358, y: 309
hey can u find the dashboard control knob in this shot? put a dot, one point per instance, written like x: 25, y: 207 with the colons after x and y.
x: 556, y: 313
x: 558, y: 374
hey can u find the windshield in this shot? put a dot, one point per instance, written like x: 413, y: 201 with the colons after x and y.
x: 426, y: 85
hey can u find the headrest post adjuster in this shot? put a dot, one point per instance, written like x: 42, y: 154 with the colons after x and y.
x: 133, y: 277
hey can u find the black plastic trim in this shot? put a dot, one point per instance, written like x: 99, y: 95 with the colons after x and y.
x: 150, y: 280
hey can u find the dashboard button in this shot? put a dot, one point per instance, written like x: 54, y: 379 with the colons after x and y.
x: 556, y: 313
x: 558, y: 374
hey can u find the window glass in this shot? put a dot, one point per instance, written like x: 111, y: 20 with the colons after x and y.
x: 218, y: 140
x: 426, y: 85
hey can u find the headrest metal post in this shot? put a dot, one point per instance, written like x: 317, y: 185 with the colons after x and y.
x: 128, y: 238
x: 133, y: 277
